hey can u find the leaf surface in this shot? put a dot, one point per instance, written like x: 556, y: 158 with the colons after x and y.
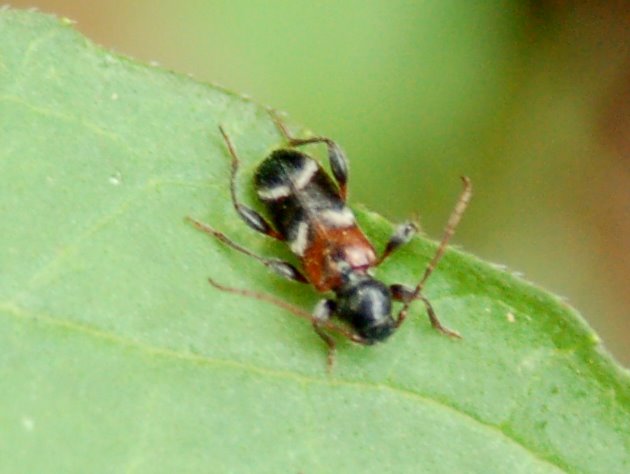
x: 116, y: 355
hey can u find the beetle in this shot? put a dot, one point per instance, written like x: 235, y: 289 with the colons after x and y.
x: 308, y: 211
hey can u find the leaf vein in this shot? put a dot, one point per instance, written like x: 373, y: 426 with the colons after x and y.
x: 164, y: 352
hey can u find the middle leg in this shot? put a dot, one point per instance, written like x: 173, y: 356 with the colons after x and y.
x: 406, y: 295
x: 402, y: 235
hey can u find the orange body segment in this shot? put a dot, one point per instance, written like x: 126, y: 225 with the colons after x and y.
x: 330, y: 246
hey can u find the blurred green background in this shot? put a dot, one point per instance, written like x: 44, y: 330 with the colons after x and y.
x: 530, y: 99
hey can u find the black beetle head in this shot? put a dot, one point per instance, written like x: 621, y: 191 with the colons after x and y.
x: 366, y: 304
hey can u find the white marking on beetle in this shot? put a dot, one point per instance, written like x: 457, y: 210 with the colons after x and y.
x: 338, y: 218
x: 303, y: 177
x: 358, y: 256
x: 275, y: 192
x: 377, y: 305
x: 321, y: 313
x: 298, y: 246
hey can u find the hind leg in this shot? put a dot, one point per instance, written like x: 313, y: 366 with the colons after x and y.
x: 336, y: 157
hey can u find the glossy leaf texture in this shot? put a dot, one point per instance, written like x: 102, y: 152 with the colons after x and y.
x: 116, y: 355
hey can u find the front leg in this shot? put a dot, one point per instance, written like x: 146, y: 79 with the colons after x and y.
x: 320, y: 318
x: 407, y: 295
x: 322, y: 315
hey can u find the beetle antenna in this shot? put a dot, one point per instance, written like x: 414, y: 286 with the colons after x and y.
x: 449, y: 230
x: 295, y: 310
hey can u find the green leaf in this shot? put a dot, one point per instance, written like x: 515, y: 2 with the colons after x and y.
x: 116, y: 355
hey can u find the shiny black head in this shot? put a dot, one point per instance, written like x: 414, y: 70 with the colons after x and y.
x: 366, y: 304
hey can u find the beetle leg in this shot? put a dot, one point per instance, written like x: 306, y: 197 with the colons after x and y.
x: 252, y: 218
x: 320, y: 318
x: 407, y: 295
x: 282, y: 268
x: 403, y: 234
x: 336, y: 156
